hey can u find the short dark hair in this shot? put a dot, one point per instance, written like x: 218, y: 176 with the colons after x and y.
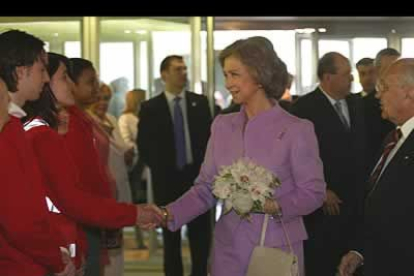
x: 365, y: 62
x: 327, y: 64
x: 17, y: 48
x: 385, y: 52
x: 166, y: 62
x: 258, y: 54
x: 77, y: 66
x: 45, y: 106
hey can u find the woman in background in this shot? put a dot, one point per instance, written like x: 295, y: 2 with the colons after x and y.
x: 128, y: 126
x: 120, y: 155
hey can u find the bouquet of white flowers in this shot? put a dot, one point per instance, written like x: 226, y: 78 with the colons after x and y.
x: 244, y: 186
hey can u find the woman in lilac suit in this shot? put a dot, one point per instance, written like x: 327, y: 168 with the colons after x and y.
x: 264, y: 132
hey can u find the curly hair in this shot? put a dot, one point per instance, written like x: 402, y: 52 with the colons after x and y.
x: 258, y: 54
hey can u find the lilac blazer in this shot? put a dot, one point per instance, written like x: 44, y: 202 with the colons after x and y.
x: 282, y: 143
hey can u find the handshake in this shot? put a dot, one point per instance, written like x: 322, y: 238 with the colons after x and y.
x: 150, y: 216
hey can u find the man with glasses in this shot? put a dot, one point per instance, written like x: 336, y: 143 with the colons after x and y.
x: 337, y: 117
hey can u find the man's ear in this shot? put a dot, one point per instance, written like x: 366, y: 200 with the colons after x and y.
x: 410, y: 93
x: 20, y: 72
x: 163, y: 75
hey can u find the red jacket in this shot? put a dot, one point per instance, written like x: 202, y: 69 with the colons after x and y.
x: 100, y: 209
x: 81, y: 145
x: 29, y: 244
x: 65, y: 186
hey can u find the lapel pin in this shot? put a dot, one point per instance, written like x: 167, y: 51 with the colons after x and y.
x: 281, y: 134
x: 193, y: 104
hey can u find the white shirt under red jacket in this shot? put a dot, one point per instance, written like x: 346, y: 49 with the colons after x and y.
x: 29, y: 243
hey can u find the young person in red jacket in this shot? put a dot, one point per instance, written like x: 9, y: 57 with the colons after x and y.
x: 31, y: 244
x: 62, y: 175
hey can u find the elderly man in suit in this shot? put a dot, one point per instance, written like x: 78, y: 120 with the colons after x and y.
x: 377, y: 128
x: 338, y: 119
x: 173, y: 131
x: 385, y: 244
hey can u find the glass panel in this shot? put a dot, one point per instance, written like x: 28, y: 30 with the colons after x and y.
x: 364, y: 47
x: 167, y: 43
x: 407, y: 47
x: 54, y: 32
x: 331, y: 45
x: 153, y: 39
x: 116, y: 62
x: 117, y: 70
x: 47, y: 46
x: 306, y: 65
x: 143, y: 65
x: 73, y: 49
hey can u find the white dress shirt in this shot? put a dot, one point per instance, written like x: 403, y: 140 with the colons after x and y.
x: 406, y: 129
x: 344, y: 105
x: 183, y: 104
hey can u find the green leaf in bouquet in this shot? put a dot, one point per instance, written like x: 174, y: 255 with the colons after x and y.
x: 257, y: 206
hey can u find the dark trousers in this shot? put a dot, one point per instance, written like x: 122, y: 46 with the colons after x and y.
x: 93, y: 263
x: 199, y: 234
x: 328, y: 242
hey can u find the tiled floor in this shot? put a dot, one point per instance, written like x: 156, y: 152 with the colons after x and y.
x: 140, y: 263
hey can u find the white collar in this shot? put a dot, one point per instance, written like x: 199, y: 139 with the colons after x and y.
x: 407, y: 127
x: 16, y: 110
x: 170, y: 96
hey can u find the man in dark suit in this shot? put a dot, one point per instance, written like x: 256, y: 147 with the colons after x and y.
x: 385, y: 245
x: 337, y: 116
x: 173, y: 131
x: 367, y: 76
x: 377, y: 127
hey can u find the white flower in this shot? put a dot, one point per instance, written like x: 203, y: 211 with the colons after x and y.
x: 228, y: 205
x: 242, y: 202
x: 259, y: 191
x: 222, y: 190
x: 244, y: 186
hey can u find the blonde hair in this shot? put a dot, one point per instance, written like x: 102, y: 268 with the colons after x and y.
x: 132, y: 101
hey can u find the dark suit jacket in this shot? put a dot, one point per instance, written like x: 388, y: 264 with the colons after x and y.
x: 341, y: 151
x: 376, y: 127
x: 386, y: 241
x: 157, y: 148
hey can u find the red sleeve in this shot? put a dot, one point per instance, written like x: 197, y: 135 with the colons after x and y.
x: 24, y: 219
x: 80, y: 143
x: 61, y: 178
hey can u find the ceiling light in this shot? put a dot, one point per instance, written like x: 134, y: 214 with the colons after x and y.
x: 308, y: 30
x: 127, y: 31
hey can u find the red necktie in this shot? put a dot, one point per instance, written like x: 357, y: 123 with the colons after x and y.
x: 390, y: 142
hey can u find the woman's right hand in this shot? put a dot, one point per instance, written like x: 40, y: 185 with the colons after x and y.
x: 271, y: 207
